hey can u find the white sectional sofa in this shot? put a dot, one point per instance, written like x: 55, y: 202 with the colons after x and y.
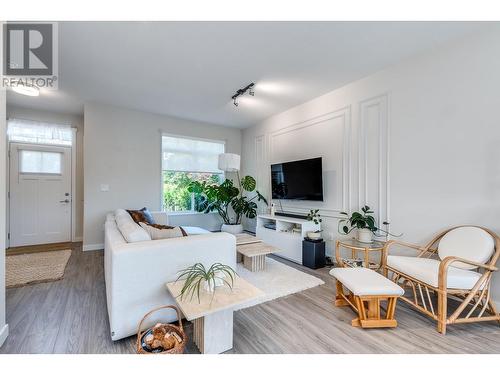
x: 136, y: 273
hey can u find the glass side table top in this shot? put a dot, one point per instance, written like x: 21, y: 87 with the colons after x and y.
x: 354, y: 243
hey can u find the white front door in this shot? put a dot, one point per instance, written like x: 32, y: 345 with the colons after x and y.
x: 40, y: 194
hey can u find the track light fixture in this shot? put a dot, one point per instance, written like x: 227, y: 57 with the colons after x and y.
x: 240, y: 92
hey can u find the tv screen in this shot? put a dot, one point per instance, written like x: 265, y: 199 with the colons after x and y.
x: 301, y: 180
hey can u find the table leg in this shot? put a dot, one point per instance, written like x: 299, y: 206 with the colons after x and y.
x: 255, y: 263
x: 213, y: 334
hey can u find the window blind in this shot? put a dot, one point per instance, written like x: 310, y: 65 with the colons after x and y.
x: 190, y: 155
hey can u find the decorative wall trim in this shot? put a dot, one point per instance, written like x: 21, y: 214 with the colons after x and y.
x: 92, y: 247
x: 380, y: 104
x: 344, y: 113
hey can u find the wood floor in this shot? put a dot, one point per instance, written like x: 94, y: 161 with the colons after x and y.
x: 69, y: 316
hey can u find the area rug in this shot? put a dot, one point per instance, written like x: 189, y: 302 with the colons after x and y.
x: 277, y: 280
x: 25, y: 269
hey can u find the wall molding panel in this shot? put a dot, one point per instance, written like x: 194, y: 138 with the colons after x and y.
x: 373, y: 155
x: 336, y: 127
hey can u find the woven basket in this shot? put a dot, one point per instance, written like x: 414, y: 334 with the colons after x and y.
x: 178, y: 348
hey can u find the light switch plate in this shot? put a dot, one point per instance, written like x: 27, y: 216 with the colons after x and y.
x: 104, y: 187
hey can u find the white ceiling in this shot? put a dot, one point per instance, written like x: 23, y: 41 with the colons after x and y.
x: 191, y: 69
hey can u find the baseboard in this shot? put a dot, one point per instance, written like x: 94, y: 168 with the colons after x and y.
x: 95, y: 246
x: 4, y: 332
x: 78, y: 239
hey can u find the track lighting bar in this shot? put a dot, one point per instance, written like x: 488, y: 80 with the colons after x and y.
x: 240, y: 92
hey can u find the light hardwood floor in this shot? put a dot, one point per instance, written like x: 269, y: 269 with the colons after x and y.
x: 70, y: 316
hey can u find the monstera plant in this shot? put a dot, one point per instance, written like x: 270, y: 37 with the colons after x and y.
x: 231, y: 202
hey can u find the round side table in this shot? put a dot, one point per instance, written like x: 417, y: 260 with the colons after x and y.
x: 356, y: 246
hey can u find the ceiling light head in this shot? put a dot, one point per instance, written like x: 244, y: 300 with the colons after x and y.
x: 242, y: 91
x: 26, y: 89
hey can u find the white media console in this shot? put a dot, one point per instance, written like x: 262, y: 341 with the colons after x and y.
x: 284, y: 237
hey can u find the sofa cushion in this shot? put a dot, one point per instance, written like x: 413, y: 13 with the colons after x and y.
x: 427, y: 271
x: 160, y: 232
x: 128, y: 228
x: 471, y: 243
x: 195, y: 230
x: 142, y: 216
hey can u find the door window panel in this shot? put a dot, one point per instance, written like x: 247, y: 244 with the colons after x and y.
x: 41, y: 162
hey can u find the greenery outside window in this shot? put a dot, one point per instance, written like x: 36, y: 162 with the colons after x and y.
x: 185, y: 160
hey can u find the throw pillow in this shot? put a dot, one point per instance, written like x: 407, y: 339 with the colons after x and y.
x: 130, y: 231
x: 159, y: 232
x: 142, y: 216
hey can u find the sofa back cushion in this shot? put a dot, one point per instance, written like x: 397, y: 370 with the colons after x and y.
x: 471, y: 243
x: 129, y: 229
x: 160, y: 232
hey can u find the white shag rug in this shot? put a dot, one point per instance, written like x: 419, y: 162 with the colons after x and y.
x: 277, y: 280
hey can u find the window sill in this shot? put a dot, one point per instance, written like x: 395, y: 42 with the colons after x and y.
x: 185, y: 213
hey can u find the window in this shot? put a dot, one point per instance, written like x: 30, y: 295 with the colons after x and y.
x: 39, y: 132
x: 40, y: 162
x: 185, y: 160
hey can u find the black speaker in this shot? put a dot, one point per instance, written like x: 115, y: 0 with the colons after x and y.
x: 313, y: 254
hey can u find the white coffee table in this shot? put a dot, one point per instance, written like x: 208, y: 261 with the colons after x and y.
x: 213, y: 318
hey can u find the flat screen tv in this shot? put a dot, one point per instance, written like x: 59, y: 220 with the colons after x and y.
x: 300, y: 180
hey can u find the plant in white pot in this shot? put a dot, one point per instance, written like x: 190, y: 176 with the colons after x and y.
x: 231, y: 202
x: 364, y: 223
x: 197, y: 277
x: 315, y: 217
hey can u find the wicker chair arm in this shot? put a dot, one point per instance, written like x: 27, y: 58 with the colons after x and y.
x: 446, y: 262
x: 390, y: 243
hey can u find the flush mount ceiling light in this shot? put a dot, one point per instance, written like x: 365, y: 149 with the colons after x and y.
x: 249, y: 88
x: 26, y: 89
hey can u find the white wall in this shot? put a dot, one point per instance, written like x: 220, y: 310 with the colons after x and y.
x: 61, y: 118
x: 3, y: 216
x: 419, y: 142
x: 123, y: 150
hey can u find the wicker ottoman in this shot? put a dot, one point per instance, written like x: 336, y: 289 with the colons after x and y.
x: 366, y: 289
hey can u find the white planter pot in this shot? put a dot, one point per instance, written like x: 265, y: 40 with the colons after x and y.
x: 313, y: 235
x: 365, y: 235
x: 210, y: 287
x: 232, y: 228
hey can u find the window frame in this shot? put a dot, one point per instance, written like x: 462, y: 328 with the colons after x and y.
x: 162, y: 203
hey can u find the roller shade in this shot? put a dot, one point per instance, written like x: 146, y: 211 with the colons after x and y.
x: 190, y: 155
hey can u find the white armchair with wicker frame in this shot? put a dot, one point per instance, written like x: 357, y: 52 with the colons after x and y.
x: 456, y: 265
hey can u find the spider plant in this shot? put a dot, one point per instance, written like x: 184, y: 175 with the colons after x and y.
x: 196, y: 274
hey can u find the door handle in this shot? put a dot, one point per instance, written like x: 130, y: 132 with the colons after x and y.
x: 64, y: 201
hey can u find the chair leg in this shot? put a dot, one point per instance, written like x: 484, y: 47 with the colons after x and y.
x: 442, y: 311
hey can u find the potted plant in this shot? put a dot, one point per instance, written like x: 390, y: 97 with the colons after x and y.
x: 225, y: 197
x: 315, y: 217
x: 363, y: 222
x: 197, y: 276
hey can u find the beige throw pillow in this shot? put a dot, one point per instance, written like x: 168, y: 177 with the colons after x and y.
x: 160, y: 234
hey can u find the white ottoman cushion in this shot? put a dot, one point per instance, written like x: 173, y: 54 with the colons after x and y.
x: 366, y: 282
